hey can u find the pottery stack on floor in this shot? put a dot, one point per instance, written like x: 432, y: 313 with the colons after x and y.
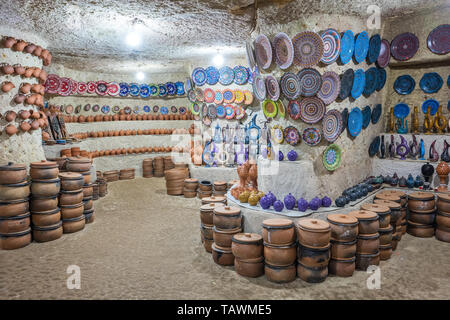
x: 190, y: 188
x: 102, y: 187
x: 398, y: 197
x: 247, y: 249
x: 231, y: 183
x: 422, y: 214
x: 220, y: 188
x: 175, y: 181
x: 95, y: 191
x: 207, y: 224
x: 443, y: 217
x: 81, y: 165
x: 205, y: 189
x: 88, y: 202
x: 111, y: 175
x: 126, y: 174
x: 215, y: 199
x: 147, y: 168
x: 168, y: 163
x: 71, y: 201
x: 15, y: 231
x: 368, y: 248
x: 227, y: 221
x: 383, y: 209
x: 397, y: 213
x: 158, y: 167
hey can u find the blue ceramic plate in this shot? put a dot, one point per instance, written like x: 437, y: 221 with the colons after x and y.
x: 376, y: 113
x: 346, y: 83
x: 212, y: 75
x: 106, y: 109
x: 355, y: 120
x: 361, y: 46
x: 433, y: 104
x: 381, y: 79
x: 344, y: 115
x: 371, y: 81
x: 431, y: 82
x: 367, y: 112
x: 226, y: 76
x: 171, y: 88
x: 180, y: 88
x: 188, y: 84
x: 348, y: 45
x: 154, y: 90
x: 134, y: 89
x: 199, y: 76
x: 401, y: 110
x: 374, y: 146
x: 144, y: 90
x: 164, y: 110
x: 124, y: 89
x: 359, y: 83
x: 374, y: 48
x: 146, y: 109
x: 404, y: 84
x: 240, y: 75
x: 220, y: 111
x: 162, y: 90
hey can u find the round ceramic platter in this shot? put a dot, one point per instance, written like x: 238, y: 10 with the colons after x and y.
x: 312, y: 136
x: 283, y: 50
x: 332, y: 157
x: 355, y: 120
x: 431, y: 82
x: 220, y: 111
x: 263, y: 51
x: 359, y: 83
x: 348, y: 46
x: 404, y: 84
x: 438, y: 40
x: 385, y: 54
x: 374, y: 146
x: 162, y: 90
x: 310, y: 81
x: 291, y: 135
x: 226, y: 76
x: 331, y: 46
x: 277, y: 133
x: 346, y: 83
x: 361, y: 46
x: 106, y: 109
x: 52, y: 84
x: 144, y: 91
x: 404, y: 46
x: 312, y: 110
x: 164, y: 110
x: 195, y: 108
x: 240, y: 112
x: 95, y: 108
x: 228, y: 96
x: 259, y: 88
x: 290, y: 85
x: 250, y: 50
x: 199, y: 94
x: 272, y: 88
x: 65, y: 87
x: 374, y: 48
x: 240, y: 75
x: 78, y: 109
x: 239, y: 96
x: 330, y: 88
x: 401, y: 110
x: 294, y: 109
x: 430, y: 103
x: 173, y: 109
x: 154, y: 90
x: 344, y: 114
x: 376, y: 113
x: 87, y: 107
x: 191, y: 96
x: 116, y: 109
x: 229, y: 112
x: 332, y: 125
x: 146, y: 109
x: 136, y: 109
x: 81, y: 87
x: 134, y: 89
x: 171, y: 88
x: 212, y: 75
x: 248, y: 97
x: 371, y: 81
x: 381, y: 79
x: 208, y: 95
x: 91, y: 87
x: 113, y: 89
x: 218, y: 97
x: 180, y: 88
x: 155, y: 109
x: 308, y: 48
x: 212, y: 112
x: 182, y: 110
x: 199, y: 76
x: 69, y: 109
x: 366, y: 112
x: 281, y: 109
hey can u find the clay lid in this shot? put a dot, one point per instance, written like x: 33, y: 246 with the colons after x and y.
x: 364, y: 215
x: 219, y: 183
x: 375, y: 207
x: 278, y: 223
x: 443, y: 196
x: 341, y: 218
x: 70, y: 176
x: 397, y: 193
x: 247, y: 238
x: 191, y: 180
x: 211, y: 206
x: 44, y: 164
x: 368, y: 236
x: 79, y: 160
x: 227, y: 210
x: 421, y: 196
x: 214, y: 199
x: 56, y: 180
x: 388, y: 203
x: 313, y: 224
x: 10, y: 166
x: 390, y: 197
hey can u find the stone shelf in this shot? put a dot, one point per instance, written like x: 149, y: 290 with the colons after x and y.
x: 427, y: 139
x: 76, y: 127
x: 139, y: 98
x: 431, y: 62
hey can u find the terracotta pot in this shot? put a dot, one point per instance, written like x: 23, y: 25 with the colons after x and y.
x: 72, y: 211
x: 443, y: 234
x: 249, y: 268
x: 88, y: 190
x: 222, y: 256
x: 7, y: 69
x: 213, y: 199
x: 44, y: 170
x: 7, y: 86
x: 363, y: 261
x: 385, y: 252
x: 71, y: 197
x: 383, y: 211
x: 367, y: 221
x: 41, y: 204
x: 422, y: 218
x: 12, y: 173
x: 443, y: 220
x: 207, y: 212
x: 86, y: 177
x: 278, y: 231
x: 443, y: 202
x: 420, y: 230
x: 15, y: 191
x: 11, y: 241
x: 280, y: 274
x: 421, y: 202
x: 247, y: 246
x: 367, y: 243
x: 71, y: 181
x: 74, y: 224
x: 280, y: 255
x: 342, y: 267
x: 89, y: 216
x: 312, y: 274
x: 10, y: 116
x: 46, y: 218
x: 45, y: 188
x: 8, y: 42
x: 15, y: 224
x: 48, y: 233
x: 385, y: 235
x: 13, y: 207
x: 37, y: 51
x: 343, y: 250
x: 343, y: 227
x: 88, y: 203
x: 28, y: 72
x: 313, y: 257
x: 222, y: 238
x: 29, y: 48
x: 19, y: 45
x: 227, y: 217
x: 313, y: 232
x: 78, y: 164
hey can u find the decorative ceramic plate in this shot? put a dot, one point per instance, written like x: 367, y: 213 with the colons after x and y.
x: 308, y: 48
x: 344, y: 114
x: 359, y: 83
x: 252, y: 75
x: 269, y: 108
x: 248, y: 97
x: 361, y: 46
x: 272, y: 88
x: 381, y: 79
x: 240, y: 75
x: 52, y: 84
x: 348, y: 46
x: 208, y: 95
x: 61, y: 108
x: 259, y: 88
x: 173, y: 109
x: 74, y: 86
x: 401, y: 110
x: 155, y: 109
x: 346, y: 83
x: 226, y: 75
x: 113, y: 89
x: 191, y: 96
x: 294, y: 109
x: 106, y: 109
x: 95, y: 108
x: 367, y: 113
x: 144, y: 90
x: 228, y: 95
x: 182, y: 110
x: 171, y: 88
x: 127, y: 110
x: 180, y: 88
x: 283, y: 50
x: 116, y: 109
x: 438, y: 40
x: 332, y: 125
x: 162, y: 90
x: 199, y: 96
x: 374, y: 48
x: 404, y: 46
x: 154, y: 90
x: 332, y: 157
x: 290, y: 86
x: 239, y: 96
x: 291, y: 135
x: 69, y: 109
x: 91, y: 87
x: 312, y: 136
x: 404, y: 84
x: 374, y: 146
x: 263, y: 51
x: 136, y: 109
x: 87, y: 107
x: 220, y: 112
x: 229, y: 112
x: 331, y: 86
x: 431, y: 82
x: 250, y: 50
x: 331, y: 46
x: 204, y: 109
x: 281, y: 109
x: 312, y: 110
x: 199, y: 76
x: 371, y: 81
x: 101, y: 88
x: 146, y: 109
x: 355, y: 120
x: 78, y: 109
x: 240, y: 112
x: 376, y: 113
x: 277, y: 133
x: 212, y: 112
x: 212, y: 75
x: 195, y: 108
x: 164, y: 110
x: 134, y: 89
x: 310, y: 81
x: 81, y: 87
x: 430, y: 103
x: 385, y: 54
x: 65, y: 87
x: 206, y: 121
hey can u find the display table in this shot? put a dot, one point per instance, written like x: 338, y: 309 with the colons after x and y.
x: 213, y: 173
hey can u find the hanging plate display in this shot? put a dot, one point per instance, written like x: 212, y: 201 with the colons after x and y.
x: 113, y: 89
x: 366, y: 112
x: 374, y: 146
x: 81, y: 87
x: 404, y: 84
x: 401, y: 110
x: 359, y: 83
x: 101, y: 88
x: 154, y: 90
x: 259, y: 88
x: 199, y: 96
x: 199, y: 76
x: 212, y: 112
x: 173, y: 109
x: 182, y: 110
x: 310, y: 81
x: 136, y: 109
x: 155, y: 109
x: 171, y: 88
x: 144, y: 91
x: 291, y: 135
x: 431, y: 82
x: 331, y: 46
x: 361, y: 46
x: 263, y: 51
x: 355, y: 120
x: 226, y: 76
x: 180, y: 88
x: 74, y: 86
x: 374, y: 48
x: 311, y: 136
x: 404, y: 46
x: 438, y: 40
x: 220, y: 112
x: 195, y: 108
x: 281, y: 109
x: 332, y: 157
x: 330, y: 88
x: 348, y: 46
x: 308, y: 48
x: 430, y: 103
x: 332, y: 125
x: 248, y: 97
x: 238, y: 96
x: 228, y: 96
x: 229, y: 112
x: 283, y: 50
x: 91, y: 87
x: 312, y: 110
x: 240, y: 75
x: 69, y: 109
x: 208, y: 95
x: 240, y: 112
x: 87, y: 107
x: 146, y: 109
x: 376, y: 113
x: 106, y: 109
x: 385, y: 54
x: 346, y: 83
x: 272, y: 88
x: 269, y: 108
x: 95, y: 108
x: 218, y: 97
x: 191, y: 96
x: 381, y: 79
x: 344, y: 114
x: 164, y: 110
x: 65, y: 87
x: 250, y: 50
x: 371, y: 81
x: 134, y: 89
x: 277, y: 134
x: 294, y: 109
x: 212, y: 75
x: 52, y: 84
x: 290, y: 85
x: 162, y: 90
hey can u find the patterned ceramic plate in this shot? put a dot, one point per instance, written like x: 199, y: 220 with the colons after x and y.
x: 87, y: 107
x: 361, y: 46
x: 212, y: 112
x: 404, y: 46
x: 346, y: 83
x: 332, y: 157
x: 381, y: 79
x: 371, y: 81
x: 281, y: 109
x: 116, y: 109
x: 240, y: 75
x: 220, y: 112
x: 65, y: 87
x: 95, y: 108
x: 248, y: 97
x: 331, y: 46
x: 290, y: 85
x: 263, y: 51
x: 359, y: 83
x: 269, y: 108
x: 218, y: 97
x: 162, y: 90
x: 240, y: 112
x: 229, y: 112
x: 226, y: 75
x: 81, y: 87
x: 331, y: 86
x: 332, y: 125
x: 113, y: 89
x: 312, y: 110
x: 199, y: 96
x: 404, y: 84
x: 199, y: 76
x: 91, y: 87
x: 74, y: 86
x: 136, y: 109
x: 291, y: 135
x: 144, y: 90
x: 171, y: 88
x: 134, y: 89
x: 385, y: 54
x: 438, y: 40
x: 430, y: 103
x: 228, y: 95
x: 366, y: 112
x: 374, y: 48
x: 52, y: 84
x: 354, y: 122
x: 272, y: 88
x: 283, y: 50
x: 259, y: 88
x: 212, y: 75
x: 154, y: 90
x: 101, y: 88
x: 182, y: 110
x: 294, y: 109
x: 431, y: 82
x: 155, y: 109
x: 239, y: 96
x: 308, y: 48
x: 146, y: 109
x: 310, y: 81
x: 344, y: 114
x: 180, y: 88
x: 195, y: 108
x: 208, y: 95
x: 348, y: 46
x: 173, y: 109
x: 277, y: 133
x: 188, y: 84
x: 312, y: 136
x: 164, y: 110
x: 78, y: 109
x: 106, y: 109
x: 250, y: 50
x: 374, y: 146
x: 376, y: 113
x: 191, y: 96
x: 69, y: 109
x: 401, y: 110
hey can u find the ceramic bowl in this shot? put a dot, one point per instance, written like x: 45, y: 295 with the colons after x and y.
x: 15, y: 224
x: 367, y: 243
x: 223, y: 237
x: 342, y: 250
x: 222, y: 256
x: 342, y: 267
x: 46, y: 218
x: 279, y: 274
x: 14, y: 207
x: 247, y: 246
x: 249, y: 268
x: 278, y: 231
x: 280, y: 255
x: 312, y: 274
x: 11, y: 241
x: 363, y: 261
x: 313, y: 257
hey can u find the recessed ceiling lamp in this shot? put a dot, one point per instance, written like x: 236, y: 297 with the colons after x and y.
x: 218, y: 60
x: 140, y: 76
x: 133, y: 39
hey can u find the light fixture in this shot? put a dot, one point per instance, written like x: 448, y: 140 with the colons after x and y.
x: 218, y: 60
x: 140, y: 76
x: 133, y: 39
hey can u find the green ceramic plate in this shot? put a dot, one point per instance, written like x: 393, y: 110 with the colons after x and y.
x: 270, y: 108
x: 281, y: 109
x: 332, y: 157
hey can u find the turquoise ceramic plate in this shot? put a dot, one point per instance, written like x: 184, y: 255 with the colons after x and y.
x: 348, y: 45
x: 359, y: 82
x: 355, y: 121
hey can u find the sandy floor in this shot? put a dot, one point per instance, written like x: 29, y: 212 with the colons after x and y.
x: 146, y: 245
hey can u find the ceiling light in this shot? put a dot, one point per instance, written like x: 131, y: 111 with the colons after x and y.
x: 133, y: 39
x: 140, y: 76
x: 218, y: 60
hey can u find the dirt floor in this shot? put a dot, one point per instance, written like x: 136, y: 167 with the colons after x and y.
x: 146, y: 245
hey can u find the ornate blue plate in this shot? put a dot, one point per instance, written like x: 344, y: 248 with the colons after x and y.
x: 355, y: 120
x: 348, y: 45
x: 180, y: 88
x: 146, y: 109
x: 144, y: 90
x: 346, y: 83
x: 433, y: 104
x: 371, y: 81
x: 212, y: 75
x: 359, y: 83
x: 182, y: 110
x: 366, y: 112
x: 199, y: 76
x: 220, y: 112
x: 431, y: 82
x: 374, y: 146
x: 376, y: 113
x: 401, y: 110
x: 226, y: 75
x: 381, y: 79
x: 240, y: 75
x: 312, y: 136
x: 106, y: 109
x: 162, y: 90
x: 164, y: 110
x: 361, y: 46
x: 404, y: 84
x: 134, y: 89
x: 374, y: 48
x: 154, y: 90
x: 124, y: 89
x: 171, y: 88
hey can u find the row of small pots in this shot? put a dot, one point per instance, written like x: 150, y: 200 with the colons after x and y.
x: 30, y: 98
x: 129, y: 117
x: 116, y: 133
x: 124, y: 151
x: 26, y: 72
x: 19, y: 45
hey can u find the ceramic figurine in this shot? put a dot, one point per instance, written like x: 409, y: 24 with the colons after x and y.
x: 289, y: 201
x: 415, y: 121
x: 243, y: 175
x: 433, y: 155
x: 445, y: 156
x: 391, y: 120
x: 410, y: 181
x: 402, y: 148
x: 428, y: 122
x: 391, y: 148
x: 440, y: 122
x: 427, y: 171
x: 442, y: 170
x: 253, y: 175
x: 413, y: 148
x: 422, y: 150
x: 382, y: 148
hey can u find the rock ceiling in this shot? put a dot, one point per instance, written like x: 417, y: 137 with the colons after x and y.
x: 90, y: 34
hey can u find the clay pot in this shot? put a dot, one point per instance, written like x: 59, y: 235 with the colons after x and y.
x: 279, y: 274
x: 222, y: 256
x: 35, y: 125
x: 443, y: 219
x: 45, y: 188
x: 19, y: 98
x: 420, y: 230
x: 78, y: 164
x: 383, y: 211
x: 28, y: 72
x: 11, y: 241
x: 278, y: 231
x: 385, y: 252
x: 25, y: 126
x: 71, y: 181
x: 74, y: 224
x: 7, y: 86
x: 9, y: 208
x: 42, y: 204
x: 421, y: 218
x: 421, y: 202
x: 313, y: 232
x: 18, y: 69
x: 385, y: 235
x: 8, y: 42
x: 213, y: 199
x: 48, y: 233
x: 10, y: 116
x: 312, y: 274
x: 343, y: 227
x: 363, y: 261
x: 391, y: 195
x: 46, y: 218
x: 72, y: 211
x: 249, y: 268
x: 67, y: 198
x: 280, y: 255
x: 31, y: 99
x: 89, y: 216
x: 313, y: 257
x: 13, y: 224
x: 37, y: 51
x: 343, y: 250
x: 207, y: 231
x: 29, y: 48
x: 227, y: 217
x: 88, y: 203
x: 443, y: 234
x: 367, y: 243
x: 12, y: 173
x: 342, y: 267
x: 88, y: 190
x: 44, y: 170
x: 247, y: 246
x: 19, y: 45
x: 16, y: 191
x: 222, y: 238
x: 367, y: 221
x: 443, y: 202
x: 207, y: 212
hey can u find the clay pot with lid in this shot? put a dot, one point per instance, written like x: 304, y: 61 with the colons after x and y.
x: 44, y: 170
x: 385, y: 252
x: 343, y: 250
x: 443, y: 202
x: 313, y: 232
x: 383, y: 212
x: 385, y: 235
x: 278, y: 231
x: 280, y: 255
x: 422, y: 218
x: 215, y: 199
x: 71, y: 181
x: 12, y: 173
x: 13, y: 224
x: 16, y: 240
x: 9, y: 208
x: 40, y: 204
x: 367, y: 243
x: 343, y: 227
x: 394, y: 193
x: 342, y: 267
x: 312, y: 274
x: 251, y: 268
x: 279, y: 274
x: 78, y: 164
x: 247, y: 246
x: 313, y: 256
x: 15, y: 191
x: 45, y: 187
x: 47, y: 233
x: 70, y: 197
x: 227, y: 217
x: 421, y: 202
x: 46, y: 218
x: 367, y: 221
x: 223, y: 238
x: 420, y: 230
x: 222, y: 256
x: 363, y: 261
x: 443, y: 219
x: 207, y: 213
x: 72, y: 211
x: 73, y: 224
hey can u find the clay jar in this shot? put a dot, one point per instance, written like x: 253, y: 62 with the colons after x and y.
x: 367, y: 221
x: 443, y: 202
x: 313, y: 257
x: 343, y: 250
x: 15, y: 191
x: 14, y: 207
x: 313, y: 232
x: 78, y: 164
x: 71, y: 181
x: 385, y: 235
x: 70, y: 197
x: 205, y: 185
x: 44, y: 170
x: 10, y: 116
x: 11, y: 129
x: 343, y: 227
x: 247, y: 246
x: 227, y: 217
x: 385, y: 252
x: 45, y: 188
x: 280, y: 255
x: 342, y: 267
x: 207, y: 213
x: 7, y: 86
x: 420, y: 230
x: 222, y: 256
x: 383, y: 211
x: 223, y: 237
x: 421, y: 202
x: 278, y: 231
x: 363, y: 261
x: 88, y: 203
x: 367, y: 243
x: 46, y: 218
x: 421, y: 218
x: 74, y: 224
x: 442, y: 219
x: 72, y: 211
x: 252, y: 268
x: 12, y: 173
x: 88, y: 190
x: 396, y: 210
x: 280, y: 274
x: 15, y: 224
x: 48, y: 233
x: 312, y: 275
x: 16, y: 240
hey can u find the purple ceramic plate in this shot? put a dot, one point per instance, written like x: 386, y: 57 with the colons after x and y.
x: 404, y: 46
x: 332, y: 125
x: 331, y: 86
x: 263, y: 51
x: 308, y: 48
x: 438, y: 40
x: 385, y: 54
x: 284, y: 50
x: 272, y: 88
x: 310, y: 81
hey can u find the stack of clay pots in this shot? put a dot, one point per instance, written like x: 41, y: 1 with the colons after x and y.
x: 214, y: 199
x: 15, y: 229
x: 383, y: 209
x: 344, y: 232
x: 398, y: 214
x: 280, y: 250
x: 95, y: 190
x: 102, y: 187
x: 158, y: 167
x: 207, y: 224
x: 422, y: 214
x: 368, y: 247
x: 227, y: 222
x: 175, y: 181
x: 71, y: 201
x: 220, y: 188
x: 205, y: 189
x: 88, y: 202
x: 247, y: 249
x: 111, y: 175
x: 126, y: 174
x: 443, y: 217
x: 81, y: 165
x: 147, y: 168
x: 168, y: 163
x: 45, y: 213
x: 190, y: 188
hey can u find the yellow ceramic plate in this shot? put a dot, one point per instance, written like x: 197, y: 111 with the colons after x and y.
x: 277, y: 134
x: 248, y: 97
x: 238, y: 96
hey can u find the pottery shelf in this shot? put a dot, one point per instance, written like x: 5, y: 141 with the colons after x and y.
x: 76, y: 127
x: 138, y: 98
x: 421, y: 64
